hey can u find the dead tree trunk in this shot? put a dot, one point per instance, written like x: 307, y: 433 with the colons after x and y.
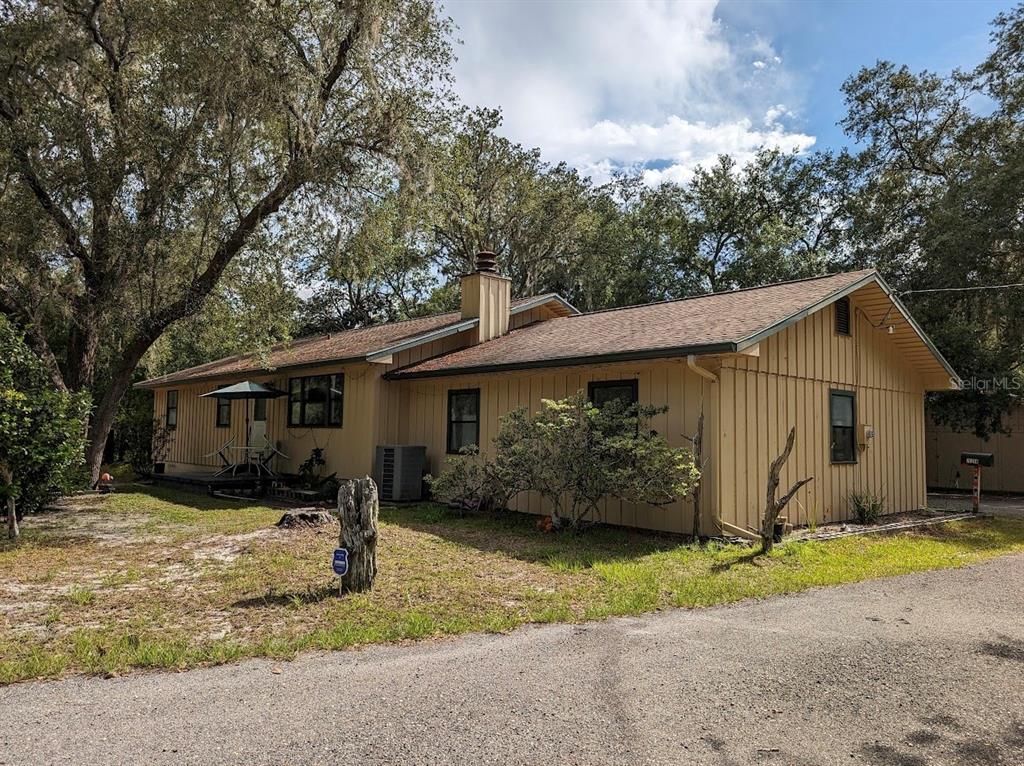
x: 774, y: 507
x: 357, y: 511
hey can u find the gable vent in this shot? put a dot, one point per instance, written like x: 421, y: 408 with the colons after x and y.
x: 843, y: 316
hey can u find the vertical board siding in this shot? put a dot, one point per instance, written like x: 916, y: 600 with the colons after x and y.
x: 944, y: 446
x: 789, y: 385
x: 669, y: 383
x: 348, y: 450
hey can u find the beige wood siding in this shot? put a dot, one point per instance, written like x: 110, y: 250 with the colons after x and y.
x: 789, y: 385
x: 524, y: 318
x: 423, y: 404
x: 945, y: 446
x: 348, y: 450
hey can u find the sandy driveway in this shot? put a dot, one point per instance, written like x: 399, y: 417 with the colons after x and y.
x: 922, y: 669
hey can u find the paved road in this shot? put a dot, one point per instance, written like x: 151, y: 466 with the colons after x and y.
x: 924, y: 669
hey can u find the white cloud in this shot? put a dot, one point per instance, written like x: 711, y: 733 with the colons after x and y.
x: 604, y: 85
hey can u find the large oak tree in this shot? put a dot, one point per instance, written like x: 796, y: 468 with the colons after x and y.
x: 145, y: 143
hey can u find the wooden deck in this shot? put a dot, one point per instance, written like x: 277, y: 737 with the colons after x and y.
x: 205, y: 482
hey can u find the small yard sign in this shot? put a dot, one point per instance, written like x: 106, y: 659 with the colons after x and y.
x: 340, y: 562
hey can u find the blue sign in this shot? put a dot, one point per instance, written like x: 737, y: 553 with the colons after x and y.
x: 340, y: 562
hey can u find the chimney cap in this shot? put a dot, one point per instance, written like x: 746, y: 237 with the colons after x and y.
x: 487, y: 262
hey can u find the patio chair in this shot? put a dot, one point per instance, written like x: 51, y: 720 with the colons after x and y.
x: 222, y: 453
x: 264, y: 454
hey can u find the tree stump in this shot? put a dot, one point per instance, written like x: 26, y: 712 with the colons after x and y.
x: 305, y: 517
x: 357, y: 510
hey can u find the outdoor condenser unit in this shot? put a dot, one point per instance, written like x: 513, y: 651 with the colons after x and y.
x: 398, y: 471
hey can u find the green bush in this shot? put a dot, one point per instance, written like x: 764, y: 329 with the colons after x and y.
x: 573, y: 454
x: 468, y: 482
x: 42, y: 430
x: 867, y: 507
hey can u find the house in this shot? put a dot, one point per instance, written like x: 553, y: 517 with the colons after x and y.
x: 838, y: 357
x: 944, y: 445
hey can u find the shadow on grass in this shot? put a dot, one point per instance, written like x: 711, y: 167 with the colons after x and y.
x: 516, y: 535
x: 753, y: 557
x: 196, y: 500
x: 288, y: 598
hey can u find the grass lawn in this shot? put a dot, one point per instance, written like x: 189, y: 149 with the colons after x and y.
x: 153, y: 578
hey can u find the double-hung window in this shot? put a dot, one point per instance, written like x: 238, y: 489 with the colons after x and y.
x: 171, y: 415
x: 316, y: 401
x: 843, y: 419
x: 223, y: 413
x: 603, y: 391
x: 463, y: 419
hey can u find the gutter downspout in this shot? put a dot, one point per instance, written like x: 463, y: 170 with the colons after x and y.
x: 691, y: 362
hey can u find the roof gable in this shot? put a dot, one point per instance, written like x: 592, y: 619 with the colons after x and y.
x: 717, y: 323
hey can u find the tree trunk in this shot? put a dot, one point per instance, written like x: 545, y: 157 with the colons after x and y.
x: 774, y: 507
x: 102, y: 419
x: 12, y: 516
x: 357, y: 511
x: 12, y: 520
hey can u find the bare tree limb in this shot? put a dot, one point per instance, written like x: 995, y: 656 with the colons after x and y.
x: 774, y: 507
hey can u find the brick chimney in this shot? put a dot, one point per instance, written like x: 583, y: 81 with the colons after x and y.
x: 487, y: 295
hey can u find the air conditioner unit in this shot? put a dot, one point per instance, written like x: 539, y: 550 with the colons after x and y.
x: 398, y: 471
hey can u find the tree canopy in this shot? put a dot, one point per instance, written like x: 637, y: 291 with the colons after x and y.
x: 147, y: 144
x: 183, y: 181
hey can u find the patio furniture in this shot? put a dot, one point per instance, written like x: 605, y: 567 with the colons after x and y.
x: 222, y: 453
x: 260, y: 456
x: 247, y: 390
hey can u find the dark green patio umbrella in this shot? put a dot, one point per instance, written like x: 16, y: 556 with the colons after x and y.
x: 247, y: 389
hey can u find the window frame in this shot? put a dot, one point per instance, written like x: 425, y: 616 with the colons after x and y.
x: 452, y: 393
x: 167, y: 409
x: 852, y: 396
x: 223, y: 404
x: 632, y: 383
x: 334, y: 380
x: 845, y: 300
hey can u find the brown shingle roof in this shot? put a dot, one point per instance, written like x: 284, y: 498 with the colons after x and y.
x: 701, y: 324
x: 336, y: 347
x: 349, y: 344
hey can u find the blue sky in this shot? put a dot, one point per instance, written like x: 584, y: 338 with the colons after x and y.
x: 666, y: 86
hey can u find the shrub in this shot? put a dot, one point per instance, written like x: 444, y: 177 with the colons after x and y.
x: 575, y: 454
x: 867, y: 507
x: 468, y: 482
x: 42, y: 430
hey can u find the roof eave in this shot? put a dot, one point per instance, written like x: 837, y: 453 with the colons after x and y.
x: 782, y: 324
x: 161, y: 383
x: 540, y: 300
x: 575, y: 361
x: 875, y: 277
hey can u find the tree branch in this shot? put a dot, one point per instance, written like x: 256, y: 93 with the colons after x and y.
x: 10, y: 305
